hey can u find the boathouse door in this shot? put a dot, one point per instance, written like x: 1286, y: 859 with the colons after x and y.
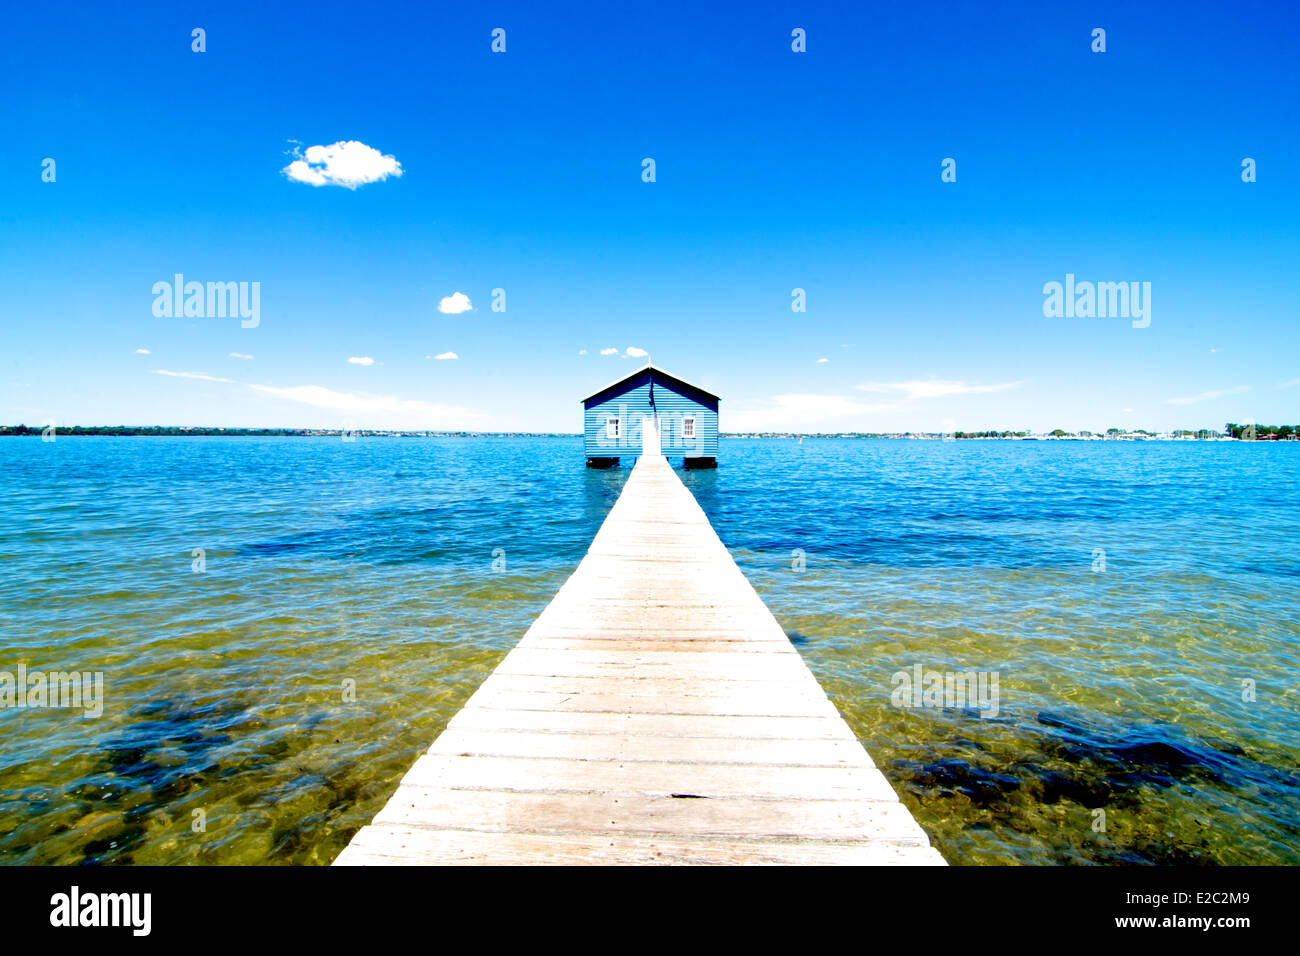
x: 649, y: 436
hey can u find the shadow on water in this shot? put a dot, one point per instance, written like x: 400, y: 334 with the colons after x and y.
x: 866, y: 532
x: 707, y: 485
x: 133, y: 762
x: 179, y: 748
x: 601, y: 488
x: 452, y: 534
x: 384, y: 535
x: 1117, y: 768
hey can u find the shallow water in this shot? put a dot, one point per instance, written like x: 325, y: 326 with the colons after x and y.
x: 406, y: 568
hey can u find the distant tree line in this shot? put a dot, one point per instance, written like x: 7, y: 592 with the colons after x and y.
x: 1265, y: 432
x: 1233, y: 430
x: 148, y: 430
x: 179, y: 430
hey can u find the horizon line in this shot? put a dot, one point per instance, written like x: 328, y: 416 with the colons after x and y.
x: 13, y: 431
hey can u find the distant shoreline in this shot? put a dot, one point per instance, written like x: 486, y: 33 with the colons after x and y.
x: 1232, y: 433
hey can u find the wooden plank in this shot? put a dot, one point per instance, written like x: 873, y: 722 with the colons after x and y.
x: 559, y: 664
x: 840, y: 821
x: 787, y: 752
x: 670, y: 642
x: 655, y: 725
x: 758, y: 704
x: 648, y: 777
x: 410, y: 846
x: 807, y: 695
x: 654, y: 712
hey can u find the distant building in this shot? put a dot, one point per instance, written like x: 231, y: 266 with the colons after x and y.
x: 651, y: 412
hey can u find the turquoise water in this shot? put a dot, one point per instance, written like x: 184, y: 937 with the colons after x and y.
x: 260, y: 706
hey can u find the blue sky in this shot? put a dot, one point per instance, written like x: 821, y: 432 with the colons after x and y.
x: 775, y: 170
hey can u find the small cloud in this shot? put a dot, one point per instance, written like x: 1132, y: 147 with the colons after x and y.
x: 361, y: 360
x: 143, y: 352
x: 635, y: 352
x: 454, y: 304
x: 198, y: 375
x: 1291, y: 384
x: 346, y: 163
x: 1208, y: 396
x: 801, y: 411
x: 820, y: 361
x: 609, y: 351
x: 446, y: 355
x: 582, y: 351
x: 240, y: 355
x: 935, y: 389
x: 378, y: 411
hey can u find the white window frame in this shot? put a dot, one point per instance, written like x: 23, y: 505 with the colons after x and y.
x: 688, y: 427
x: 612, y: 426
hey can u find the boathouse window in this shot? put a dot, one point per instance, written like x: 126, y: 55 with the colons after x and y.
x: 688, y: 426
x: 611, y: 428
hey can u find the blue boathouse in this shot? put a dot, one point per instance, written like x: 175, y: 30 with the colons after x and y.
x: 651, y: 412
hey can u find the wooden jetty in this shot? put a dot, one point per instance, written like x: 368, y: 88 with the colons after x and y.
x: 655, y: 712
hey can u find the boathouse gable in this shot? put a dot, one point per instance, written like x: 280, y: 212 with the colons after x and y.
x: 618, y: 416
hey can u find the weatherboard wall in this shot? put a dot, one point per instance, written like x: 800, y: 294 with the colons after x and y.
x: 630, y: 401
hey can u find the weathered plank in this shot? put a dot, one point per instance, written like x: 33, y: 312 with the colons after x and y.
x: 651, y: 725
x: 841, y: 821
x: 654, y: 713
x: 649, y: 777
x: 785, y: 752
x: 381, y: 844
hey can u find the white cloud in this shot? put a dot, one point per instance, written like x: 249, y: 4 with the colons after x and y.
x: 1207, y: 396
x: 360, y: 360
x: 376, y: 411
x: 240, y: 355
x: 609, y: 351
x: 346, y: 163
x: 143, y: 352
x: 198, y: 375
x: 447, y: 355
x: 895, y: 410
x: 454, y: 304
x: 369, y: 411
x: 582, y: 351
x: 935, y: 389
x: 820, y: 361
x: 635, y: 352
x: 1291, y: 384
x: 796, y: 412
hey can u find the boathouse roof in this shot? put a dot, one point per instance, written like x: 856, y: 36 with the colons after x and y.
x: 659, y: 375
